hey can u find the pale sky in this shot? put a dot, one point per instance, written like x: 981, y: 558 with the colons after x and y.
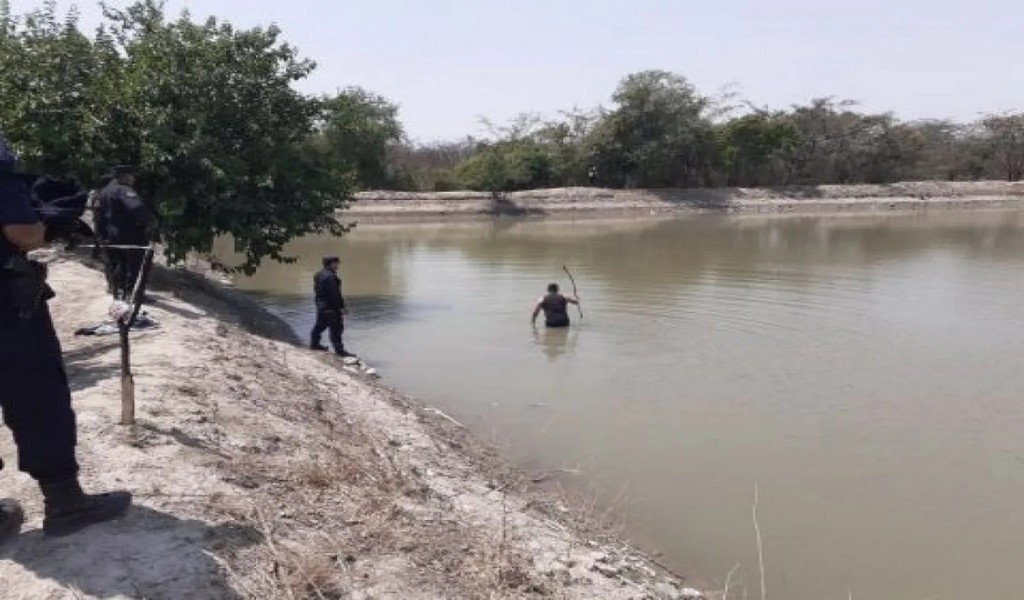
x: 448, y: 62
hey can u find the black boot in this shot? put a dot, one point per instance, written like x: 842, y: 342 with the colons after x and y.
x: 318, y: 347
x: 69, y: 510
x: 11, y: 519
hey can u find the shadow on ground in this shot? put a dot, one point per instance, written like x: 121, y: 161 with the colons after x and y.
x: 147, y: 554
x: 85, y: 367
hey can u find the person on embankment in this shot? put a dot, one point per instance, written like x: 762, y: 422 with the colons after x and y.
x: 34, y: 392
x: 555, y: 307
x: 330, y: 308
x: 126, y: 225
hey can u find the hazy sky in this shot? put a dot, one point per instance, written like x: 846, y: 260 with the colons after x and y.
x: 447, y: 62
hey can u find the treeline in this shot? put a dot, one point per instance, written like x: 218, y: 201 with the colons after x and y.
x: 225, y: 144
x: 207, y: 112
x: 661, y: 132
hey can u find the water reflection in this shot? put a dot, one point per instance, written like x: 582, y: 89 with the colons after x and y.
x: 554, y: 342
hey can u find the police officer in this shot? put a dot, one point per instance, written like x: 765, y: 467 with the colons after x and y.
x: 34, y: 393
x: 124, y: 221
x: 99, y: 227
x: 330, y: 307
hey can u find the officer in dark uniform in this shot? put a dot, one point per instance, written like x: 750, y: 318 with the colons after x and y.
x: 34, y: 393
x: 125, y: 220
x: 99, y: 226
x: 330, y: 307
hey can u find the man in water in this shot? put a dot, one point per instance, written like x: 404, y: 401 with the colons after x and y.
x: 330, y: 307
x: 555, y: 307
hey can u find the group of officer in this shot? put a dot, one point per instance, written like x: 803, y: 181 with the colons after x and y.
x: 34, y: 392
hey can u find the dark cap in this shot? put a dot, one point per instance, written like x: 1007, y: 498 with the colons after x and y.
x: 120, y: 170
x: 331, y: 259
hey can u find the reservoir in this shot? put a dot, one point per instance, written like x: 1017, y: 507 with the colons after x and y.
x: 866, y: 373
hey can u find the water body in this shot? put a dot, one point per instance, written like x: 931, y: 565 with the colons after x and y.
x: 865, y: 372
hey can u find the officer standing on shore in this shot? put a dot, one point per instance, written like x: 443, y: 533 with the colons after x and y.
x: 330, y: 307
x: 128, y: 225
x: 34, y: 392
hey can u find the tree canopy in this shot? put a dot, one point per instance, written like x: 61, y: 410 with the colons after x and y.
x: 208, y: 113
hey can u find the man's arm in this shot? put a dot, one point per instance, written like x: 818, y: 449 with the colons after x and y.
x: 25, y: 237
x: 18, y: 222
x: 340, y: 299
x: 536, y: 311
x: 574, y: 300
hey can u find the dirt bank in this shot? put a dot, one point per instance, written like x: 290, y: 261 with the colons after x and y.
x: 569, y: 201
x: 264, y: 471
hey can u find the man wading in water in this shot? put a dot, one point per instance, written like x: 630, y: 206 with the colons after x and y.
x: 555, y: 307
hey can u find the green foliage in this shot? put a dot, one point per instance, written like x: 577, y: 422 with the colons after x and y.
x: 506, y: 167
x: 660, y: 132
x: 1005, y: 134
x: 356, y: 129
x: 208, y: 112
x: 754, y: 149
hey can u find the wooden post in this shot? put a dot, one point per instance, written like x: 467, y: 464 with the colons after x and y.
x: 124, y: 328
x: 127, y: 381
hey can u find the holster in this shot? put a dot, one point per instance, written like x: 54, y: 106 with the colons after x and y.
x: 24, y: 281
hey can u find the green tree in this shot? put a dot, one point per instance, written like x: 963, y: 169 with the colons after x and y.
x: 356, y: 130
x: 657, y: 135
x: 223, y: 141
x: 1005, y: 134
x: 507, y: 166
x: 754, y: 148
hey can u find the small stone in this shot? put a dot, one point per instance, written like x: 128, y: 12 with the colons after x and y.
x: 351, y: 360
x: 372, y: 372
x: 606, y: 570
x: 690, y: 594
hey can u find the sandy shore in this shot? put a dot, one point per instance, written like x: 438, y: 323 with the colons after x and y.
x: 263, y: 470
x: 581, y: 201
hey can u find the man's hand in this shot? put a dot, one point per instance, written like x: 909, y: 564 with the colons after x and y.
x: 26, y: 237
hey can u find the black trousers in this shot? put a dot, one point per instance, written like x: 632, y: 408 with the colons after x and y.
x: 36, y: 399
x: 328, y: 319
x: 123, y: 266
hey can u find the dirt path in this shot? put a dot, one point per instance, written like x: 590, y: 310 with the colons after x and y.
x: 264, y: 471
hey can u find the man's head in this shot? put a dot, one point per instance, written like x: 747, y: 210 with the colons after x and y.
x: 124, y: 174
x: 331, y: 262
x: 8, y: 159
x: 553, y: 288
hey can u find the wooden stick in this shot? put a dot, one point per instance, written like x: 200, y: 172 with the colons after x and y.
x: 127, y: 381
x: 124, y: 327
x: 760, y: 548
x: 574, y: 291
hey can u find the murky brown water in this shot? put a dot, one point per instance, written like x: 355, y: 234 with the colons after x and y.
x: 867, y: 373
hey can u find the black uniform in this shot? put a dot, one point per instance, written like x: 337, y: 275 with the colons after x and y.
x: 556, y: 310
x: 123, y: 219
x: 34, y: 391
x: 329, y: 306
